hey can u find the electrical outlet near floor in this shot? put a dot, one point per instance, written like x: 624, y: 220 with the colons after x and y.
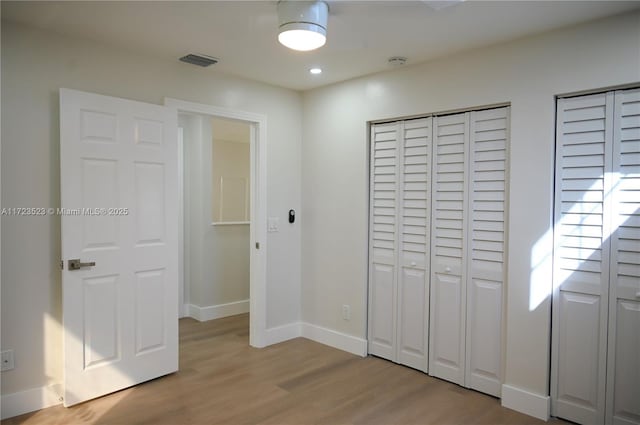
x: 6, y: 360
x: 346, y: 312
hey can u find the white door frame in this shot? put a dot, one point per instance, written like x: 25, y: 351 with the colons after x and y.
x: 258, y: 207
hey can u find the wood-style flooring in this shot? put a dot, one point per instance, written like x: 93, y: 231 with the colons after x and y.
x: 224, y: 381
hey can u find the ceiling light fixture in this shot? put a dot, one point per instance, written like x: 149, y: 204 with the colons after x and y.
x: 303, y: 24
x: 315, y: 71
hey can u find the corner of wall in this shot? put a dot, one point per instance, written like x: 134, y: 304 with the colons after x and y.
x: 283, y: 333
x: 203, y: 314
x: 338, y: 340
x: 335, y: 339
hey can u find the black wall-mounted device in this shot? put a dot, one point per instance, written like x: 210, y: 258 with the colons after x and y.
x: 292, y: 216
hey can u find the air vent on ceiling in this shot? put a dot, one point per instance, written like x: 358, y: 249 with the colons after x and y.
x: 200, y: 60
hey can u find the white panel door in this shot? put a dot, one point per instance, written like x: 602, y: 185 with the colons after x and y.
x: 119, y: 201
x: 623, y: 364
x: 447, y: 318
x: 383, y: 239
x: 414, y: 220
x: 581, y: 257
x: 488, y: 145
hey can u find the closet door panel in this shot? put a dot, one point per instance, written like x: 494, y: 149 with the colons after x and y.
x: 413, y: 323
x: 625, y: 193
x: 623, y: 386
x: 414, y: 220
x: 448, y: 248
x: 486, y: 248
x: 624, y: 392
x: 382, y: 294
x: 581, y: 257
x: 445, y: 351
x: 383, y: 236
x: 484, y: 337
x: 580, y: 367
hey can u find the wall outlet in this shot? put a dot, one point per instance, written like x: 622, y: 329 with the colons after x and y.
x: 346, y: 312
x: 7, y: 360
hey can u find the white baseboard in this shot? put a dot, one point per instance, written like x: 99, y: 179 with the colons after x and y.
x: 283, y: 333
x: 335, y: 339
x: 183, y: 311
x: 211, y: 312
x: 523, y: 401
x: 30, y: 400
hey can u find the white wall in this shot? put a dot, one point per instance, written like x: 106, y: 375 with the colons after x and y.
x: 231, y: 164
x: 35, y: 65
x: 216, y: 257
x: 527, y: 73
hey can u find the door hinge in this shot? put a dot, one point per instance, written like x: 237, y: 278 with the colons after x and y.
x: 61, y: 264
x: 257, y: 245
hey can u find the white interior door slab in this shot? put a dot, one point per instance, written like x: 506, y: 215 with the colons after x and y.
x: 623, y: 359
x: 448, y: 248
x: 119, y: 199
x: 581, y: 258
x: 383, y: 240
x: 414, y: 222
x: 488, y: 155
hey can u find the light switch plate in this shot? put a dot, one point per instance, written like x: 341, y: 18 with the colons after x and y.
x: 273, y: 224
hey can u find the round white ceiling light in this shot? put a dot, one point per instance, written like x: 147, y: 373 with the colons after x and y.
x: 315, y: 71
x: 303, y: 24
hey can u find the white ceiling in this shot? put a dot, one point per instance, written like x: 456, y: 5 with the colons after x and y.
x: 362, y: 35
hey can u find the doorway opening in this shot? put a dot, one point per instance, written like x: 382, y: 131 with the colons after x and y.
x: 222, y: 266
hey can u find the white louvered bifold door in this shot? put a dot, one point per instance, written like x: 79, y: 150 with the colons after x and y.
x: 414, y: 218
x: 448, y: 248
x: 383, y: 239
x: 581, y: 256
x: 623, y: 360
x: 486, y: 248
x: 400, y: 223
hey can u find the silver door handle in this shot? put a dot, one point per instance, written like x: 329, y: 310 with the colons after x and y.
x: 75, y: 264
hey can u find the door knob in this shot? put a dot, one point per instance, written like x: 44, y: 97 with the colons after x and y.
x: 76, y: 264
x: 413, y: 263
x: 447, y: 269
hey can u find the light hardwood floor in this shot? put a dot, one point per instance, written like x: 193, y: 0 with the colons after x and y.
x: 224, y: 381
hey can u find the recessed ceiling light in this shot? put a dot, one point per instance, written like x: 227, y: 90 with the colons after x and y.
x: 315, y: 71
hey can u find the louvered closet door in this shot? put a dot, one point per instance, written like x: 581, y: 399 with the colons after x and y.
x: 414, y: 214
x: 486, y: 248
x: 623, y: 387
x: 383, y: 243
x: 400, y: 212
x: 448, y: 248
x: 581, y: 257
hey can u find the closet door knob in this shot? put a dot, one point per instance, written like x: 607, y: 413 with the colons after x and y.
x: 447, y: 269
x: 413, y: 264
